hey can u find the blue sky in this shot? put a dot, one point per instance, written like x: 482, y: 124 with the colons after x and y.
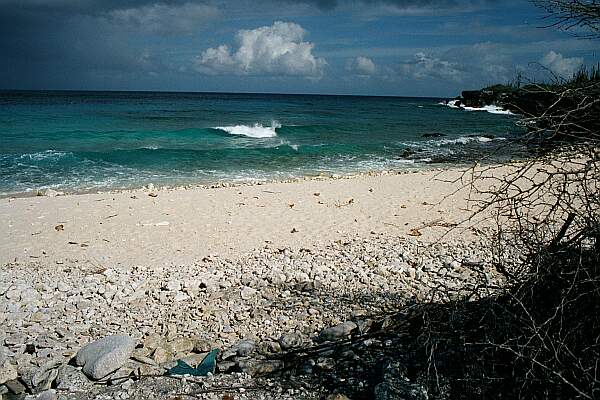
x: 374, y: 47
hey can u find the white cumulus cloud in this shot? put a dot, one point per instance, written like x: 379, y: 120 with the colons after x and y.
x: 562, y: 66
x: 361, y: 66
x: 269, y: 50
x: 427, y: 66
x: 164, y: 18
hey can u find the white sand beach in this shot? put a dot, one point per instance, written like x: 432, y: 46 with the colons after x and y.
x: 178, y: 226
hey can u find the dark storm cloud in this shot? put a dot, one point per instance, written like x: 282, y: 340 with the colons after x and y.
x: 67, y: 43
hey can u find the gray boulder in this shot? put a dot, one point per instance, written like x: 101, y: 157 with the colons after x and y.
x: 72, y: 379
x: 337, y: 332
x: 8, y: 372
x: 104, y: 356
x: 290, y: 341
x: 260, y: 367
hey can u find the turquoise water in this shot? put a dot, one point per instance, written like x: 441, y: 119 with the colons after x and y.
x: 81, y: 141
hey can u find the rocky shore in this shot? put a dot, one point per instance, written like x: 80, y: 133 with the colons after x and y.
x: 253, y: 309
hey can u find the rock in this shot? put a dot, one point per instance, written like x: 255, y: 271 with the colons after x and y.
x: 202, y: 345
x: 182, y: 345
x: 337, y: 396
x: 30, y: 295
x: 145, y: 370
x: 193, y: 360
x: 400, y: 390
x: 225, y: 366
x: 364, y: 325
x: 242, y: 349
x: 72, y: 379
x: 143, y: 359
x: 260, y: 367
x: 326, y: 364
x: 104, y: 356
x: 49, y: 394
x: 15, y: 386
x: 247, y: 293
x: 269, y: 347
x: 153, y: 341
x: 181, y: 296
x: 173, y: 286
x: 162, y: 355
x: 41, y: 378
x: 8, y: 372
x: 121, y: 375
x: 49, y: 193
x: 290, y: 341
x: 338, y: 331
x: 396, y: 386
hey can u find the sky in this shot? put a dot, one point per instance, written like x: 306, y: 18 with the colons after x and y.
x: 362, y: 47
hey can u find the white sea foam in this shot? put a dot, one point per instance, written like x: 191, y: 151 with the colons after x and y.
x: 466, y: 140
x: 256, y: 131
x: 44, y: 155
x: 492, y: 109
x: 450, y: 103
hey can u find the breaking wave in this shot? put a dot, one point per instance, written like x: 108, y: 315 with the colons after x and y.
x: 492, y: 109
x: 257, y: 131
x: 50, y: 155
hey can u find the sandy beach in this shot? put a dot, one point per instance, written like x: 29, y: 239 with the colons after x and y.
x: 253, y: 270
x: 178, y: 226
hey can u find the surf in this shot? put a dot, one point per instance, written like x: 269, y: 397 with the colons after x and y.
x: 256, y: 131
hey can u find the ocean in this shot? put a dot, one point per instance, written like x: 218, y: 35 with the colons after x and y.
x: 94, y: 141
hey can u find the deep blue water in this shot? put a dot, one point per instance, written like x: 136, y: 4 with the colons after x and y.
x: 80, y: 141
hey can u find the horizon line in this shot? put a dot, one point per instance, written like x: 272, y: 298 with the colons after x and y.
x: 218, y: 92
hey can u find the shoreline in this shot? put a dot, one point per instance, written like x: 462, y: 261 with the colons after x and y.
x: 231, y: 219
x: 267, y: 268
x: 51, y: 192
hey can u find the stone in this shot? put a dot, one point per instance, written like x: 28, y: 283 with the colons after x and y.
x: 260, y: 367
x: 193, y: 360
x: 337, y: 332
x: 247, y: 293
x: 202, y: 345
x: 400, y: 390
x: 326, y: 364
x: 41, y: 378
x: 121, y: 375
x: 242, y: 349
x: 290, y: 341
x: 146, y: 370
x: 182, y: 345
x: 8, y: 372
x: 49, y: 193
x: 269, y: 347
x: 162, y: 355
x: 181, y: 296
x: 153, y: 341
x: 72, y: 379
x: 49, y: 394
x: 173, y: 286
x: 15, y: 386
x: 337, y: 396
x: 105, y: 355
x: 143, y: 359
x: 225, y: 366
